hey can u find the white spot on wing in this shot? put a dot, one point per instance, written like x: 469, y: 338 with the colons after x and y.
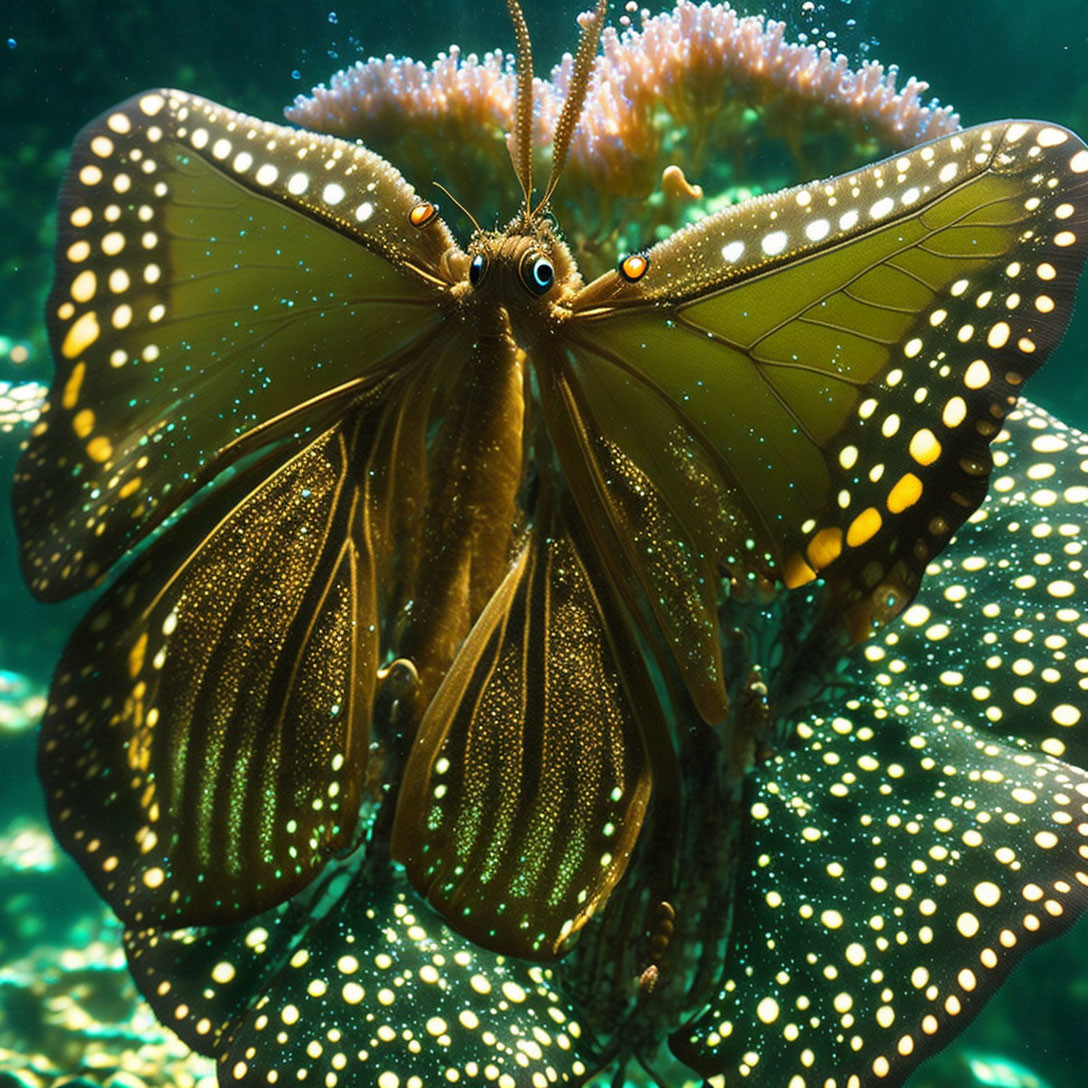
x: 732, y: 251
x: 774, y: 243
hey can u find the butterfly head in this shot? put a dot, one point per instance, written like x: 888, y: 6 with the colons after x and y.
x: 524, y: 268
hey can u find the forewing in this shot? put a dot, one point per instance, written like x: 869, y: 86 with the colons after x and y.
x: 203, y: 747
x: 529, y: 778
x: 914, y: 843
x: 822, y: 370
x: 220, y: 282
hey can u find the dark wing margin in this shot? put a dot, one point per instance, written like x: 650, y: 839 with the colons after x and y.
x: 1008, y: 636
x: 276, y: 1002
x: 879, y: 915
x: 931, y: 828
x: 220, y: 283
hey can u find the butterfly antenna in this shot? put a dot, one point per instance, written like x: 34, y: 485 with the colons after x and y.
x: 521, y: 153
x: 576, y: 96
x: 472, y: 218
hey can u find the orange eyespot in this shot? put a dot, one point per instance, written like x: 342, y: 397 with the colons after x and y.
x: 632, y: 268
x: 422, y: 214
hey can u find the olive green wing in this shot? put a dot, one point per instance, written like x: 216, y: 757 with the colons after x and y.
x: 807, y: 385
x: 220, y: 283
x: 921, y: 835
x: 528, y: 782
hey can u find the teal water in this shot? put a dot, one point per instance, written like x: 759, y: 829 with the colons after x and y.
x: 62, y: 63
x: 989, y: 58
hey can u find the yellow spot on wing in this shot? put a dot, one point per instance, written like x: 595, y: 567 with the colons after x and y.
x: 855, y: 954
x: 81, y: 335
x: 967, y: 924
x: 905, y: 493
x: 72, y: 386
x: 978, y: 375
x: 83, y: 423
x: 99, y: 448
x: 797, y: 572
x: 767, y: 1010
x: 825, y: 547
x: 864, y: 527
x: 84, y: 286
x: 924, y: 447
x: 136, y: 656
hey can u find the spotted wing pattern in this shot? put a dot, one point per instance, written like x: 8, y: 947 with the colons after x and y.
x: 202, y: 981
x: 914, y: 844
x: 822, y: 370
x: 377, y: 990
x: 1009, y: 640
x: 220, y: 282
x: 802, y: 388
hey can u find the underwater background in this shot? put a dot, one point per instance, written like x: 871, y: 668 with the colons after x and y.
x: 66, y: 1002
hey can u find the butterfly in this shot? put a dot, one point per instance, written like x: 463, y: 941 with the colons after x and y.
x: 477, y: 616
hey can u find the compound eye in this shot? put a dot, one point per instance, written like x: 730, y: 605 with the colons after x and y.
x: 537, y: 273
x: 477, y: 269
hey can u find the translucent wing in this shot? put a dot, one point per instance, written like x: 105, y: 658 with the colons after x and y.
x: 203, y: 747
x: 377, y: 989
x: 529, y: 779
x: 806, y: 385
x: 220, y: 282
x: 905, y: 855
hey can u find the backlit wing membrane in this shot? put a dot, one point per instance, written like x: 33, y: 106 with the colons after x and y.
x: 657, y: 505
x: 220, y: 282
x: 833, y: 360
x: 204, y: 744
x: 530, y: 775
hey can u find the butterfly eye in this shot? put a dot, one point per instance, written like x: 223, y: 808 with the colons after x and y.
x: 537, y: 273
x: 478, y: 269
